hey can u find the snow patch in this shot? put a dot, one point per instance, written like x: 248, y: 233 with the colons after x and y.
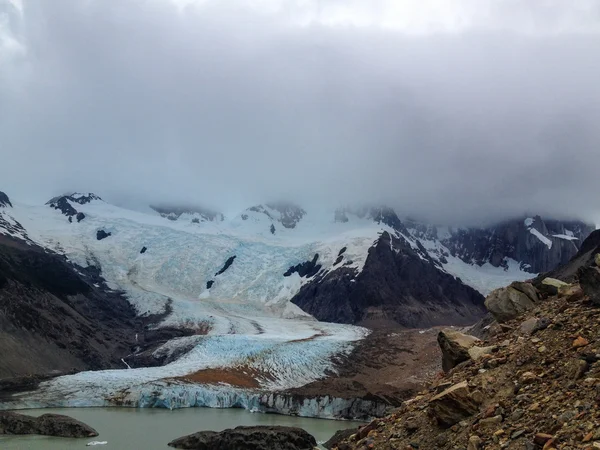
x: 541, y: 237
x: 568, y: 237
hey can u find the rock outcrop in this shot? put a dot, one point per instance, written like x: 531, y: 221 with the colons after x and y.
x: 46, y: 424
x: 101, y: 234
x: 455, y: 347
x: 248, y: 438
x: 453, y: 405
x: 306, y: 269
x: 397, y: 286
x: 64, y: 203
x: 4, y: 200
x: 507, y: 303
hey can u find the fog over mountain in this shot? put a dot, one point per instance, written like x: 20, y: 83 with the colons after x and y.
x: 453, y: 111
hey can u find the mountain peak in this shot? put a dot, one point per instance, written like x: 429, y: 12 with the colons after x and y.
x: 196, y: 214
x: 381, y: 214
x: 76, y: 197
x: 63, y: 203
x: 4, y: 200
x: 286, y: 213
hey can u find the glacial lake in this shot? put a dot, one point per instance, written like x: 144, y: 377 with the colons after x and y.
x: 154, y: 428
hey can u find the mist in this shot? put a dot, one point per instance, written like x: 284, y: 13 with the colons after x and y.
x: 454, y: 111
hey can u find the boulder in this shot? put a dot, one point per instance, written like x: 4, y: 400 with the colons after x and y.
x: 248, y: 438
x: 476, y: 353
x: 530, y: 326
x: 455, y: 347
x: 453, y: 405
x: 507, y: 303
x: 589, y: 280
x: 571, y: 293
x: 46, y: 424
x: 552, y: 285
x: 526, y: 288
x: 597, y: 259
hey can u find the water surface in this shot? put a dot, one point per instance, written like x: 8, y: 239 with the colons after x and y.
x: 152, y: 429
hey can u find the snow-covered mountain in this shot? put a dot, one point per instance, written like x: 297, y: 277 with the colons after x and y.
x: 275, y: 256
x: 247, y: 289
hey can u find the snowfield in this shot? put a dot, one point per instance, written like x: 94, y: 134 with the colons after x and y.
x: 252, y: 324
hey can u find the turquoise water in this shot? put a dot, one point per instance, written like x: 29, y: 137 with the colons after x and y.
x: 152, y: 429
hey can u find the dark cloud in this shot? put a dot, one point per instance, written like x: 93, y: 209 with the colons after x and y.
x: 225, y: 105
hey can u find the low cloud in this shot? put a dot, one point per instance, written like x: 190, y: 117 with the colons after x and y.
x: 486, y: 110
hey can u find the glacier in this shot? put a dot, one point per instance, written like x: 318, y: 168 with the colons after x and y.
x: 246, y: 317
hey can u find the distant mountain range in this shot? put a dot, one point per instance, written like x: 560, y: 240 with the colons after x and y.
x: 353, y: 265
x: 183, y: 290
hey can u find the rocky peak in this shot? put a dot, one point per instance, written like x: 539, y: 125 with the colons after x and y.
x: 421, y: 230
x: 4, y: 200
x: 196, y: 214
x: 380, y: 214
x: 75, y: 197
x: 539, y: 245
x: 288, y: 214
x: 398, y: 285
x: 64, y: 203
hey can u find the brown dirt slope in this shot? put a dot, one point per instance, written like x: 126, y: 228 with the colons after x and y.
x: 533, y: 391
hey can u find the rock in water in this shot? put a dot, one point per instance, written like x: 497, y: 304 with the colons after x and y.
x: 248, y: 438
x: 46, y: 424
x: 455, y: 347
x: 507, y: 303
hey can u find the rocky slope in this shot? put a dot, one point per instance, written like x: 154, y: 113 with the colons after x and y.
x: 396, y: 286
x: 538, y: 245
x: 533, y: 382
x: 57, y: 317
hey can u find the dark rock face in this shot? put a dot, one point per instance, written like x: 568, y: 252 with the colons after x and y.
x: 54, y: 317
x: 518, y: 239
x: 173, y: 212
x: 396, y: 286
x: 306, y: 269
x: 101, y: 234
x: 584, y: 258
x: 248, y: 438
x: 4, y: 200
x: 209, y: 284
x: 226, y: 266
x: 46, y: 424
x: 63, y: 204
x: 272, y: 229
x: 143, y: 250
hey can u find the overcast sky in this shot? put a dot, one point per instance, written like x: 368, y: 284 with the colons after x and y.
x: 452, y: 110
